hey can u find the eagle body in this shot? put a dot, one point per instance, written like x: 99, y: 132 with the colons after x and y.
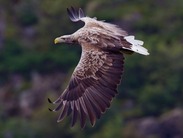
x: 95, y: 79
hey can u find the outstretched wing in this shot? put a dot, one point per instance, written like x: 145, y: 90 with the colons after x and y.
x: 92, y: 86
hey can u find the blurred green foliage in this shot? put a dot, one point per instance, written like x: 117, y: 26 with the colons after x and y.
x: 152, y: 83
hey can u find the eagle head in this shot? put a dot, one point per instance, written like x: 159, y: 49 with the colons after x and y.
x: 64, y: 39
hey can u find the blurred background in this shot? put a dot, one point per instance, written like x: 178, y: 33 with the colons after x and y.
x: 32, y: 68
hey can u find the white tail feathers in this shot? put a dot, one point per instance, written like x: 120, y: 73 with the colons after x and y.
x: 136, y: 45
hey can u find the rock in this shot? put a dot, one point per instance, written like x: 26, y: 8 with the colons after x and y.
x: 172, y: 124
x: 142, y: 128
x: 168, y: 125
x: 148, y: 127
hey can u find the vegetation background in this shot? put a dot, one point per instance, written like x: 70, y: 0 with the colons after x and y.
x: 32, y: 68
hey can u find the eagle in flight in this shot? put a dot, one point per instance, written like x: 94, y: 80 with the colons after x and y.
x: 95, y: 79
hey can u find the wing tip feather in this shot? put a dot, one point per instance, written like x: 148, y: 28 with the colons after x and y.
x: 75, y: 15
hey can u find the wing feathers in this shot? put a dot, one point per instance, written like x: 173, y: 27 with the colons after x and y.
x: 96, y: 108
x: 89, y: 110
x: 58, y: 107
x: 81, y: 13
x: 98, y: 101
x: 93, y: 100
x: 90, y: 91
x: 103, y: 98
x: 74, y: 115
x: 83, y: 115
x: 63, y: 112
x: 75, y: 15
x: 83, y: 105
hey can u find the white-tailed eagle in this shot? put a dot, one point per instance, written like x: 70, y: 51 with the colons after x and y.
x: 95, y: 79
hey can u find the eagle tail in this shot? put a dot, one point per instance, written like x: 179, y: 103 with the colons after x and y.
x: 136, y: 45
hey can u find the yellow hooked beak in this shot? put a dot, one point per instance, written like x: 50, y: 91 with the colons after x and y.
x: 56, y: 40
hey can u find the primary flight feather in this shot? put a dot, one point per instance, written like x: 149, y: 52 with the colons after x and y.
x: 95, y: 79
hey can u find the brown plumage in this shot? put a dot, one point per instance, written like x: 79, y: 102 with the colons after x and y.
x: 94, y: 81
